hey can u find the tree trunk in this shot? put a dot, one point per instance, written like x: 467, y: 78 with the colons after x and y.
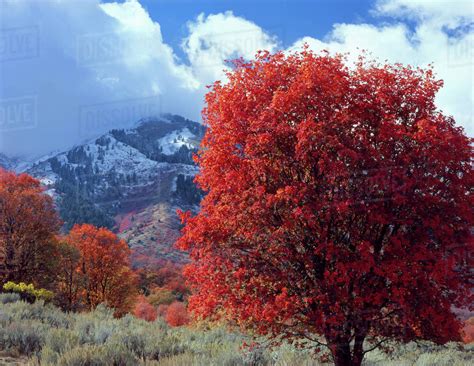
x: 358, y: 351
x: 342, y: 355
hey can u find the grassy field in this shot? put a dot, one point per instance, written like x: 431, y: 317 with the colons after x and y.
x: 33, y: 334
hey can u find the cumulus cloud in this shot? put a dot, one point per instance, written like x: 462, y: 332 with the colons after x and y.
x: 442, y: 35
x: 71, y: 70
x: 219, y: 37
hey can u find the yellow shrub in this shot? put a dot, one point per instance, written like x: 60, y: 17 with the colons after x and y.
x: 29, y: 290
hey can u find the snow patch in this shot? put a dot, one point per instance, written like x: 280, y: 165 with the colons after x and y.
x: 172, y: 142
x: 47, y: 181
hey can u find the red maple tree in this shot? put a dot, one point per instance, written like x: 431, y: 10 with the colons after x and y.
x: 28, y: 225
x: 337, y: 206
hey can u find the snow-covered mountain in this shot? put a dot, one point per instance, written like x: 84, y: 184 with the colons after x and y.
x: 129, y: 180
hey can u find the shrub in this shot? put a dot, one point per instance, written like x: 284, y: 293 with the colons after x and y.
x: 161, y: 310
x: 48, y: 356
x: 48, y: 314
x: 144, y: 310
x: 468, y: 331
x: 95, y: 327
x: 61, y: 340
x: 161, y: 296
x: 9, y: 297
x: 133, y: 339
x: 28, y: 292
x: 166, y: 345
x: 92, y: 355
x: 22, y: 337
x: 177, y: 314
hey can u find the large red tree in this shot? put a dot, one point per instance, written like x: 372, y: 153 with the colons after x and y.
x: 338, y: 206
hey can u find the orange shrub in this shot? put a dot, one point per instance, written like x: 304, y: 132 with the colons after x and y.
x: 468, y: 331
x: 144, y: 310
x: 177, y: 314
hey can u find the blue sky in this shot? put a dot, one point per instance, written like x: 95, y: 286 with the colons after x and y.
x: 288, y: 20
x: 70, y: 70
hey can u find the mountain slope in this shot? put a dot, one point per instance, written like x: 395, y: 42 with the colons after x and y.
x: 132, y: 181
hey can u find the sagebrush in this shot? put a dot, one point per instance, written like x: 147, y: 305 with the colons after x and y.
x: 49, y: 336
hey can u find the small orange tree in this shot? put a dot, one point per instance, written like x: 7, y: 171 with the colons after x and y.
x: 104, y: 268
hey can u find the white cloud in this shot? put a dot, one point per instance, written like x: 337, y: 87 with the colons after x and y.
x: 429, y: 43
x: 219, y: 37
x: 448, y: 13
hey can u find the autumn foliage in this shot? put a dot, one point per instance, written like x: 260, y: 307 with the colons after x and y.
x: 162, y: 282
x: 144, y: 310
x: 102, y: 272
x: 69, y: 280
x: 177, y: 314
x: 28, y: 225
x: 468, y: 331
x: 166, y: 292
x: 82, y: 269
x: 337, y: 204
